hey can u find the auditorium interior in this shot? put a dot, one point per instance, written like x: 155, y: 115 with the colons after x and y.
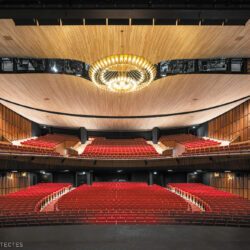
x: 125, y: 124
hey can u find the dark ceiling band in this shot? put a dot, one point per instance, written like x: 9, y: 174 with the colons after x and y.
x: 124, y: 117
x: 9, y: 65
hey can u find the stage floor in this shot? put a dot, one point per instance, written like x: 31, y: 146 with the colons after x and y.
x: 126, y: 237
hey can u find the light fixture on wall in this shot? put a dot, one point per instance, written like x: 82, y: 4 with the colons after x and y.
x: 216, y: 174
x: 122, y: 73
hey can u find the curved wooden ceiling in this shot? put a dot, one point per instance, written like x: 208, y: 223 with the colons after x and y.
x: 75, y: 95
x: 173, y: 94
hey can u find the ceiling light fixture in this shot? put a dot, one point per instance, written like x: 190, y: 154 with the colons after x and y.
x: 54, y: 68
x: 122, y: 73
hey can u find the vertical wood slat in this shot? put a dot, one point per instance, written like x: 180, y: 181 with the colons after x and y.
x: 12, y: 125
x: 239, y: 184
x: 13, y: 182
x: 235, y: 122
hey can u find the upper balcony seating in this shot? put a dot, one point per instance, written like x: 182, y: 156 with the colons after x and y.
x: 189, y: 141
x: 27, y: 150
x: 217, y: 201
x: 119, y: 149
x: 121, y: 197
x: 49, y: 140
x: 239, y: 147
x: 28, y: 199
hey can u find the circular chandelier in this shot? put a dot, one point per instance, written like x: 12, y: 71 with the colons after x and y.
x: 122, y: 73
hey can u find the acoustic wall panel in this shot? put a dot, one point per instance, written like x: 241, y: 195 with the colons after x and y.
x: 235, y: 183
x: 12, y: 125
x: 233, y: 123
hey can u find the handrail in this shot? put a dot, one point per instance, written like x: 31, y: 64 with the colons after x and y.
x: 47, y: 199
x: 201, y: 203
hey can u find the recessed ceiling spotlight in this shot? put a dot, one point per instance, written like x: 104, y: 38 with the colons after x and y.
x: 42, y: 172
x: 83, y: 173
x: 119, y: 171
x: 194, y: 127
x: 170, y: 170
x: 195, y: 172
x: 155, y: 172
x: 227, y: 171
x: 14, y: 171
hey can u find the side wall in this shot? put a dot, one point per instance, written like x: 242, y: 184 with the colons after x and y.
x: 13, y: 182
x: 233, y: 123
x: 235, y: 183
x: 12, y: 125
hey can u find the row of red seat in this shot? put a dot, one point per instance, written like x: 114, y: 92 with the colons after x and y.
x: 217, y: 201
x: 131, y: 203
x: 146, y: 218
x: 28, y: 199
x: 211, y: 150
x: 50, y: 140
x: 27, y: 150
x: 121, y: 196
x: 119, y: 149
x: 189, y: 140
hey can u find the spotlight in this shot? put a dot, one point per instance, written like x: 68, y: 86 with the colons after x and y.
x: 155, y: 172
x: 83, y: 173
x: 24, y: 174
x: 227, y: 171
x: 170, y: 170
x: 66, y: 170
x: 42, y: 172
x: 194, y: 127
x: 195, y: 172
x: 14, y: 171
x: 119, y: 171
x: 54, y: 68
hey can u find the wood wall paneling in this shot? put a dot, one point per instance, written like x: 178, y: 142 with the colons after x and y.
x: 238, y: 184
x: 13, y: 182
x: 12, y: 125
x: 235, y: 122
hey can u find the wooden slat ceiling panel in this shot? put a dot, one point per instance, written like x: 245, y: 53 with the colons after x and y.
x: 173, y: 94
x: 120, y: 124
x: 156, y: 43
x: 70, y: 94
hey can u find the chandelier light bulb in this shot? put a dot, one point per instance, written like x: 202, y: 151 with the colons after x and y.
x: 122, y: 73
